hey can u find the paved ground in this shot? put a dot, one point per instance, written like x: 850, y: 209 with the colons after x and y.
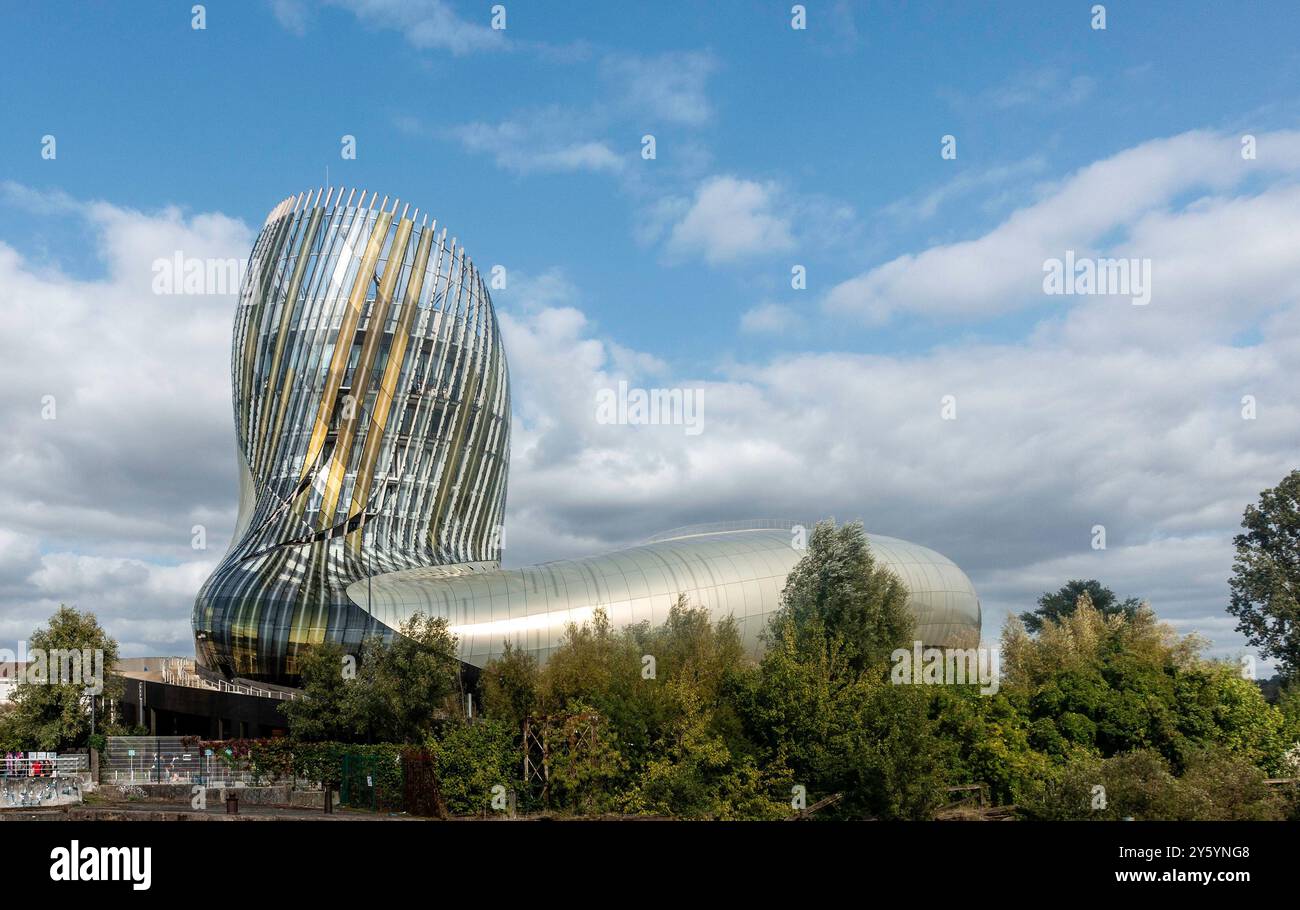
x: 97, y: 808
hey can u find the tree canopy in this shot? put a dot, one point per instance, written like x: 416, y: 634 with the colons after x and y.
x: 396, y: 692
x: 1265, y: 581
x: 52, y: 712
x: 1056, y: 605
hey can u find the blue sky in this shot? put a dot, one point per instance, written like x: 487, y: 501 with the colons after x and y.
x: 150, y: 112
x: 775, y: 147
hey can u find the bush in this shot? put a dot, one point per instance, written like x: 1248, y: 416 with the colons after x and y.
x: 472, y: 759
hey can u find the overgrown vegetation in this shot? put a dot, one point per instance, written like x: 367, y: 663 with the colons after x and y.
x: 678, y: 720
x: 1102, y: 712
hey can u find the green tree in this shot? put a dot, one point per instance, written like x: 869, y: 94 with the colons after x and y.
x: 509, y: 686
x: 991, y: 736
x: 402, y: 690
x: 1217, y: 708
x: 1265, y: 581
x: 1288, y: 703
x: 707, y: 662
x: 600, y: 669
x: 472, y: 759
x: 589, y: 772
x: 1231, y: 787
x: 1118, y: 684
x: 322, y: 714
x: 840, y: 730
x: 423, y: 677
x: 1054, y: 605
x: 821, y: 703
x: 1066, y: 790
x: 1140, y: 784
x: 694, y: 774
x: 855, y: 600
x: 51, y: 707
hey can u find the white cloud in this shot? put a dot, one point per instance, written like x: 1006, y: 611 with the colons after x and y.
x: 1050, y: 440
x: 291, y: 14
x: 554, y: 139
x: 667, y: 87
x: 425, y: 24
x: 1123, y: 416
x: 926, y: 205
x: 516, y: 148
x: 730, y: 219
x: 1188, y: 572
x: 1002, y: 271
x: 550, y: 140
x: 768, y: 318
x: 98, y: 503
x: 1039, y: 87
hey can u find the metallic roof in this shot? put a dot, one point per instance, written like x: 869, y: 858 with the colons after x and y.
x: 739, y: 571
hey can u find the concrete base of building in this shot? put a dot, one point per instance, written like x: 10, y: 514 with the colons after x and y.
x: 171, y: 710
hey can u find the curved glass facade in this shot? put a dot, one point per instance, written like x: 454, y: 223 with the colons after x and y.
x: 731, y: 572
x: 372, y: 414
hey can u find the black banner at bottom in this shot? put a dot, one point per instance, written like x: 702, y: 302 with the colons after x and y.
x: 257, y: 858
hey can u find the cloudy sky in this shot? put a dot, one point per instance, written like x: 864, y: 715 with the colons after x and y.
x: 775, y: 148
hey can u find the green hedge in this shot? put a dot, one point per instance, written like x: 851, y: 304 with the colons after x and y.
x: 279, y: 759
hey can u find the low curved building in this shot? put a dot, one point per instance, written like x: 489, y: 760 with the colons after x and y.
x: 738, y: 571
x: 372, y: 417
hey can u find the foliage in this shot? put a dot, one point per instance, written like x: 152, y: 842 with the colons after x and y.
x: 404, y: 689
x: 1054, y: 605
x: 1265, y: 579
x: 1086, y: 638
x: 509, y: 686
x: 401, y: 692
x: 1103, y: 711
x: 472, y: 759
x: 52, y: 712
x: 588, y: 770
x: 640, y: 719
x: 696, y: 775
x: 598, y: 669
x: 994, y: 742
x: 1141, y: 785
x: 821, y: 703
x: 321, y: 715
x: 1114, y: 684
x: 858, y: 602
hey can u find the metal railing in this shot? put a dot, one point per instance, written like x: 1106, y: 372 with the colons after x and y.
x: 179, y: 671
x: 42, y: 764
x: 169, y: 760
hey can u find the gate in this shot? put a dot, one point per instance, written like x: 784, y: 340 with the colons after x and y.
x: 371, y: 782
x: 392, y: 783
